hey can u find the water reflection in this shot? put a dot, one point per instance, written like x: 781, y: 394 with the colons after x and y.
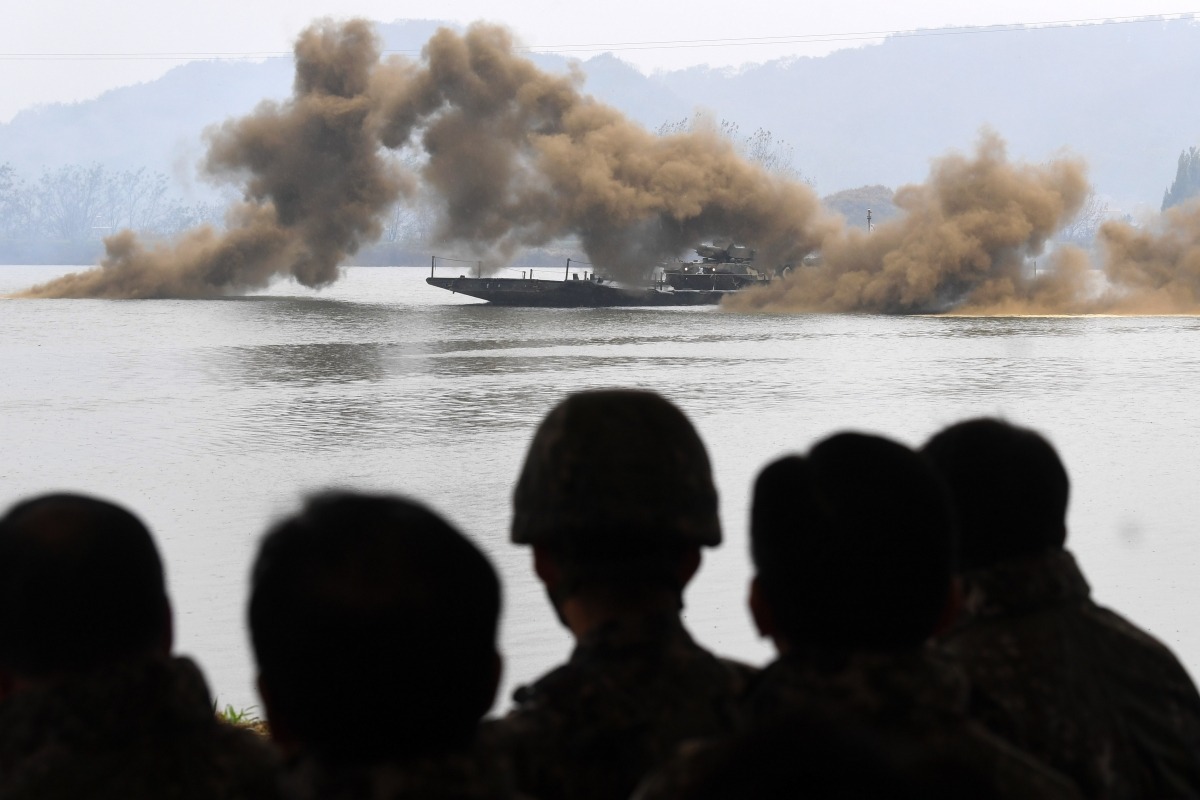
x: 464, y: 412
x: 316, y: 422
x: 303, y: 364
x: 536, y: 362
x: 462, y: 328
x: 976, y: 378
x: 302, y: 396
x: 453, y: 346
x: 351, y: 319
x: 998, y: 327
x: 472, y: 366
x: 221, y: 412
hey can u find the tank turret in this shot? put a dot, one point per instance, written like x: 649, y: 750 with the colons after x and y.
x: 723, y: 267
x: 725, y: 254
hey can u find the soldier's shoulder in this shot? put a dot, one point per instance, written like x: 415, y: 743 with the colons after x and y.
x: 594, y: 687
x: 248, y: 761
x: 739, y: 674
x: 1012, y: 771
x: 1128, y: 636
x: 540, y: 710
x: 692, y: 768
x: 555, y: 691
x: 440, y: 777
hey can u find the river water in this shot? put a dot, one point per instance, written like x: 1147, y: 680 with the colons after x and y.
x: 212, y: 418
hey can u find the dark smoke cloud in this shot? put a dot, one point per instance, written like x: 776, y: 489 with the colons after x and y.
x: 1155, y: 269
x: 517, y: 158
x: 522, y: 157
x: 965, y: 243
x: 1147, y: 269
x: 962, y: 242
x: 315, y: 184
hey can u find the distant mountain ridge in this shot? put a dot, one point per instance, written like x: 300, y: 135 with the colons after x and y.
x: 1119, y: 95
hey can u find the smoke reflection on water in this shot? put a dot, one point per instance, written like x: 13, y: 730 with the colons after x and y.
x: 306, y: 364
x: 990, y: 327
x: 211, y: 418
x: 983, y: 378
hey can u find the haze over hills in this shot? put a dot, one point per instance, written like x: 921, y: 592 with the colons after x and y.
x: 1122, y: 96
x: 1119, y: 95
x: 159, y: 125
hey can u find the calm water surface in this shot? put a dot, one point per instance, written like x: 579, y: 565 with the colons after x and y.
x: 211, y: 418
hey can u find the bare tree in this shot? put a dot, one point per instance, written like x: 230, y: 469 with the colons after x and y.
x: 394, y: 224
x: 1082, y: 228
x: 77, y: 204
x: 776, y: 156
x: 134, y: 199
x: 676, y: 126
x: 70, y: 202
x: 15, y: 204
x: 411, y: 220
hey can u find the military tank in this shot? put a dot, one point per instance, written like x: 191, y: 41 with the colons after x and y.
x: 722, y: 268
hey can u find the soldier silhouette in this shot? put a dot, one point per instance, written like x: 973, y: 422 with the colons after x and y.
x: 1074, y: 683
x: 92, y: 704
x: 853, y: 549
x: 374, y: 629
x: 616, y: 499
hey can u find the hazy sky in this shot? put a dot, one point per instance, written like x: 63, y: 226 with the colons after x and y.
x: 64, y: 50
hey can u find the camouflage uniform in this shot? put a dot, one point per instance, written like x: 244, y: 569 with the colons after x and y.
x: 630, y: 694
x: 1075, y: 684
x: 449, y: 777
x: 141, y: 730
x: 915, y: 698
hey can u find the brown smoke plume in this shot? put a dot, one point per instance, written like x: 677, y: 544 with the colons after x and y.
x: 962, y: 242
x: 315, y: 184
x: 518, y: 157
x: 1147, y: 270
x: 1063, y: 285
x: 1154, y: 270
x: 522, y: 157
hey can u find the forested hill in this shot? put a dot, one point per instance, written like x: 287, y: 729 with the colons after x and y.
x: 159, y: 125
x: 1123, y: 96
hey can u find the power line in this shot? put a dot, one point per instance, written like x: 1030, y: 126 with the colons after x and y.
x: 820, y: 38
x: 670, y: 44
x: 240, y: 56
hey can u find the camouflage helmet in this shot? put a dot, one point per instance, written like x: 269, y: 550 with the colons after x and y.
x: 612, y: 467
